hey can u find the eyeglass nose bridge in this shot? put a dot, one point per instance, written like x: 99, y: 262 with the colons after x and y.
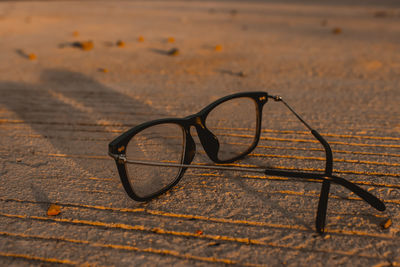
x: 207, y: 139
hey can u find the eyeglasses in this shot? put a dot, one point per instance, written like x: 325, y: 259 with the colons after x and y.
x: 152, y: 157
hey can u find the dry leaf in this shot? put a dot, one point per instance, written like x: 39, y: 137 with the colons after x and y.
x: 32, y: 56
x: 380, y: 14
x: 103, y: 70
x: 173, y: 52
x: 327, y: 236
x: 53, y: 210
x: 85, y: 45
x: 120, y: 43
x: 386, y: 223
x: 336, y: 30
x: 241, y: 74
x: 218, y: 48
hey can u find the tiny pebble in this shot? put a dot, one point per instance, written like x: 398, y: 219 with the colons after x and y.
x: 327, y: 236
x: 213, y: 244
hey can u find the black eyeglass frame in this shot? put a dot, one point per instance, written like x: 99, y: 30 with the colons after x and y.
x: 117, y: 150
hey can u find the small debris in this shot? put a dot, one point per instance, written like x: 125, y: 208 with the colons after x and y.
x: 53, y: 210
x: 380, y: 14
x: 241, y: 74
x: 171, y: 40
x: 218, y: 48
x: 75, y: 34
x: 373, y: 65
x: 103, y: 70
x: 234, y: 73
x: 32, y: 56
x: 327, y: 236
x: 173, y: 52
x: 85, y: 45
x: 120, y: 43
x: 336, y: 30
x: 213, y: 244
x: 140, y: 39
x: 199, y: 232
x: 386, y: 223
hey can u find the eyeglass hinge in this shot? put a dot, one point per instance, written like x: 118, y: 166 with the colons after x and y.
x: 275, y: 97
x: 121, y: 158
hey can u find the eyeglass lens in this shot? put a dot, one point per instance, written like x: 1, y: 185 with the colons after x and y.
x: 234, y: 123
x: 158, y: 143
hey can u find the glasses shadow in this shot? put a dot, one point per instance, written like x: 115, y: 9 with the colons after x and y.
x: 67, y: 114
x: 275, y: 206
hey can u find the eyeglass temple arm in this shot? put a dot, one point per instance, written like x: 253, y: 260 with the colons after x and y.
x: 324, y: 143
x: 323, y: 197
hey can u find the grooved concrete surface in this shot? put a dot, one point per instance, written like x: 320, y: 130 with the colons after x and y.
x: 338, y: 65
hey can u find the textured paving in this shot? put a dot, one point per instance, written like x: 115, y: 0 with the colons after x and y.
x: 337, y: 65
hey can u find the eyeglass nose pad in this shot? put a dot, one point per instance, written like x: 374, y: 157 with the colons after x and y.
x: 209, y: 142
x: 190, y: 149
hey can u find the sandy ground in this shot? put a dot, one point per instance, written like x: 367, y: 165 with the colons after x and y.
x: 337, y: 65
